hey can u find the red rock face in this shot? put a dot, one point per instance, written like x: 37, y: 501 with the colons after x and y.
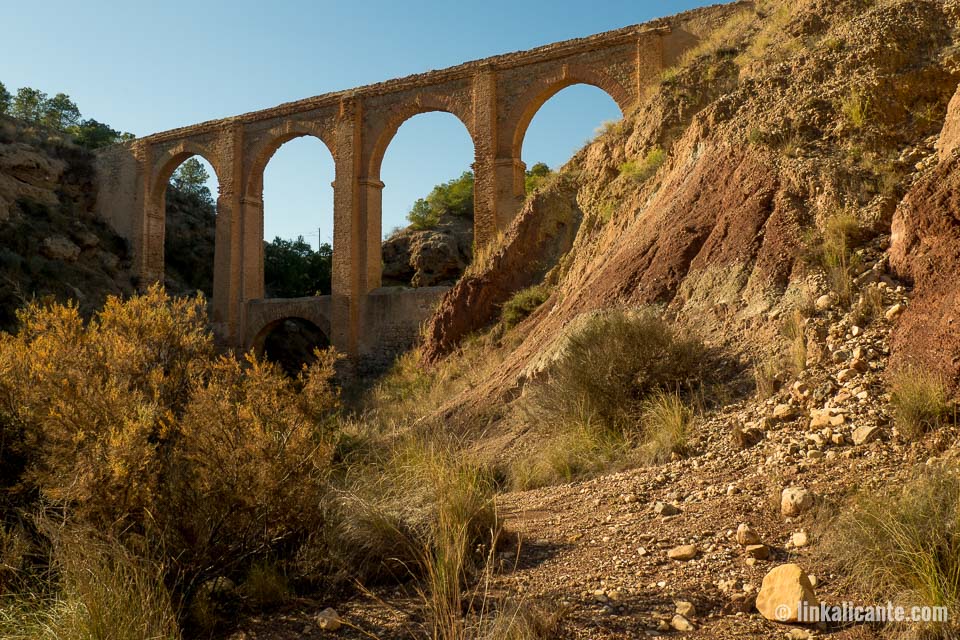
x: 925, y: 248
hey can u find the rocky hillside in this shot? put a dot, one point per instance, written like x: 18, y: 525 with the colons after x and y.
x: 714, y: 198
x: 51, y: 241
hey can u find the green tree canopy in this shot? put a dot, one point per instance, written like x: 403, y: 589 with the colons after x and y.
x: 453, y: 198
x: 191, y: 178
x: 60, y: 112
x: 535, y: 176
x: 292, y: 269
x: 5, y: 99
x: 28, y: 104
x: 96, y: 135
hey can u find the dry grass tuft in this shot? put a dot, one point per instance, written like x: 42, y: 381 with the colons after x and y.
x: 919, y: 402
x: 904, y: 546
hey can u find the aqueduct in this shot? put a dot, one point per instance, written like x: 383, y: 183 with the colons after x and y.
x: 494, y: 98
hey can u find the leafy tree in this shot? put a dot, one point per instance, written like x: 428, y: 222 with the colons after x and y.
x: 96, y: 135
x: 292, y: 269
x: 535, y: 176
x: 60, y: 112
x: 28, y: 104
x: 191, y: 178
x: 453, y: 198
x: 5, y: 99
x: 422, y: 216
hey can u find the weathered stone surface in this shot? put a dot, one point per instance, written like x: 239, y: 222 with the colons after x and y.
x: 329, y: 620
x: 865, y: 433
x: 782, y: 591
x: 60, y: 248
x: 795, y: 501
x: 758, y: 551
x: 665, y: 509
x: 746, y: 535
x: 683, y: 553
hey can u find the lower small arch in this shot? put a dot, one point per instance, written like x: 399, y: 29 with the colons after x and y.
x: 290, y: 342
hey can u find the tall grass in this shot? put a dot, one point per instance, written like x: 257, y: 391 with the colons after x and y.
x: 903, y: 545
x: 667, y: 424
x: 104, y: 592
x: 919, y: 402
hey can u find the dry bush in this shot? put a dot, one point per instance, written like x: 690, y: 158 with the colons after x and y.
x: 795, y: 333
x: 574, y: 449
x: 611, y: 398
x: 610, y: 365
x: 397, y: 514
x: 903, y: 545
x: 832, y: 250
x: 918, y: 401
x: 133, y: 427
x: 855, y: 107
x: 413, y: 391
x: 869, y: 306
x: 522, y: 620
x: 266, y: 584
x: 767, y: 376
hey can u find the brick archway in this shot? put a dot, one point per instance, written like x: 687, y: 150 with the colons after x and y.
x: 419, y: 106
x: 544, y: 89
x: 268, y: 145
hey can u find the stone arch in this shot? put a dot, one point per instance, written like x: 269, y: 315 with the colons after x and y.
x: 258, y: 340
x: 293, y: 346
x: 420, y: 105
x: 265, y: 149
x: 173, y: 158
x: 538, y: 94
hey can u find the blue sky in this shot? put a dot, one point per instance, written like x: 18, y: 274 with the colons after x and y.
x: 145, y: 67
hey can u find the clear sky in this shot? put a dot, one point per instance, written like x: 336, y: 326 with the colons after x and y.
x: 145, y: 67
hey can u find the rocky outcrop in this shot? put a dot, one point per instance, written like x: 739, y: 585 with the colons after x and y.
x: 925, y: 249
x: 26, y: 172
x: 764, y: 139
x: 431, y: 257
x: 543, y: 231
x: 51, y: 241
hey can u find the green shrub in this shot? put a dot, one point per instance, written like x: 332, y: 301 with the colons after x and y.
x: 918, y: 401
x: 644, y: 169
x: 855, y: 107
x: 832, y: 250
x: 523, y: 303
x: 903, y: 545
x: 536, y: 176
x: 452, y: 198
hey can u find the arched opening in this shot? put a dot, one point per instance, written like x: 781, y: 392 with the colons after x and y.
x: 560, y: 123
x: 297, y: 195
x: 290, y: 342
x: 427, y: 201
x: 190, y: 208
